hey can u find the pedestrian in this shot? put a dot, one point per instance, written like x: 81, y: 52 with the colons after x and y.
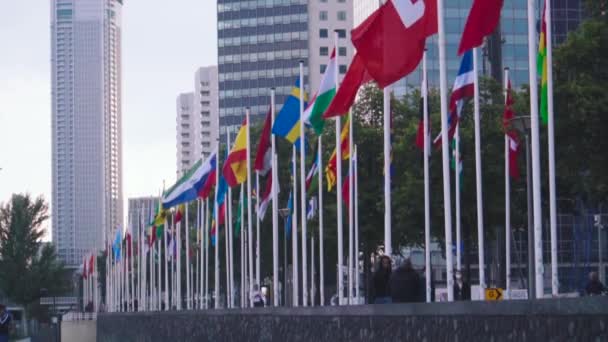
x: 381, y: 281
x: 5, y: 323
x: 256, y: 297
x: 462, y: 289
x: 405, y: 284
x: 594, y: 286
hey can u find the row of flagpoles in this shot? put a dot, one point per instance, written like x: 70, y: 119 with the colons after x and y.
x: 410, y: 21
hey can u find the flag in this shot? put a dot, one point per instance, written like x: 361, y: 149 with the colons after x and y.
x: 355, y: 76
x: 170, y: 245
x: 187, y: 188
x: 541, y: 64
x: 288, y: 221
x: 205, y: 191
x: 512, y: 136
x: 311, y: 179
x: 220, y: 201
x: 325, y: 94
x: 311, y: 209
x: 239, y: 210
x: 266, y: 198
x: 391, y: 40
x: 483, y: 19
x: 263, y: 157
x: 213, y: 231
x: 180, y: 213
x: 84, y: 268
x: 464, y: 89
x: 92, y: 264
x: 331, y: 168
x: 346, y: 190
x: 235, y: 167
x: 116, y: 246
x: 287, y: 122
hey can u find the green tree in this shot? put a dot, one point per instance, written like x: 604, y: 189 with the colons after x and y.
x: 26, y: 264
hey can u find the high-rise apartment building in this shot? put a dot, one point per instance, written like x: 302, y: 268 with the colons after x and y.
x: 140, y: 211
x: 86, y: 124
x: 206, y: 109
x: 514, y: 35
x: 188, y: 150
x: 260, y: 44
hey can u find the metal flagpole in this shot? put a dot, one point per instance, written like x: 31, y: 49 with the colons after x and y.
x: 243, y: 252
x: 507, y: 199
x: 249, y: 206
x: 351, y: 218
x: 275, y: 213
x: 536, y: 191
x: 478, y: 178
x: 321, y: 256
x: 159, y: 275
x: 294, y: 229
x: 167, y: 303
x: 338, y: 192
x: 457, y: 196
x: 216, y: 213
x: 356, y: 210
x: 207, y: 215
x: 178, y: 265
x: 427, y: 206
x: 228, y: 238
x: 445, y: 150
x: 551, y: 140
x: 303, y: 192
x: 388, y: 249
x: 312, y: 270
x: 258, y: 193
x: 187, y: 241
x: 131, y: 255
x: 199, y: 254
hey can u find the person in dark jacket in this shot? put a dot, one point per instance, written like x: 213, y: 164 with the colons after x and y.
x: 405, y: 284
x: 381, y: 281
x: 462, y: 289
x: 5, y: 323
x: 594, y: 286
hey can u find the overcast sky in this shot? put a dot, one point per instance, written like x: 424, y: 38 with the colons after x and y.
x: 164, y: 42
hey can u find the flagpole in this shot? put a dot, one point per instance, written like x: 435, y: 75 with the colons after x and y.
x: 312, y: 270
x: 132, y: 293
x: 216, y: 213
x: 159, y: 275
x: 551, y: 140
x: 249, y: 205
x: 388, y: 249
x: 478, y: 177
x: 207, y: 215
x: 228, y: 234
x: 275, y: 213
x: 243, y: 251
x: 507, y: 199
x: 198, y: 265
x: 188, y: 287
x: 294, y: 228
x: 457, y: 196
x: 338, y: 192
x: 427, y: 206
x: 444, y: 151
x: 303, y: 192
x: 351, y: 218
x: 257, y: 229
x: 201, y: 243
x: 321, y: 235
x: 356, y: 210
x: 536, y: 191
x: 167, y: 304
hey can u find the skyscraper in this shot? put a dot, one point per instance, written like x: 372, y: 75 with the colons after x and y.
x: 86, y: 124
x: 260, y: 44
x: 187, y: 150
x: 206, y: 109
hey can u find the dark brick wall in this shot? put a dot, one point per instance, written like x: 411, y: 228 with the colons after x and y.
x: 580, y: 319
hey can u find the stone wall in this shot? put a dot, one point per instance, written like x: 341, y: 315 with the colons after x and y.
x: 579, y: 319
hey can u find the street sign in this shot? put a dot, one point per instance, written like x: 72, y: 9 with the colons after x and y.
x: 494, y: 293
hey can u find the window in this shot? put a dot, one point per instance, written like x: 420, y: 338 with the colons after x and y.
x: 323, y: 67
x: 323, y: 15
x: 341, y: 33
x: 323, y: 51
x: 323, y: 33
x: 342, y: 68
x: 342, y: 51
x: 342, y: 15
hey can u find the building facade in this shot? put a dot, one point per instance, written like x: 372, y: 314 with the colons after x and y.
x: 188, y: 149
x: 141, y: 210
x: 514, y: 38
x: 86, y: 124
x: 206, y: 108
x: 260, y: 45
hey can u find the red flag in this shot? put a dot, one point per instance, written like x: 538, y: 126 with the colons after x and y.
x: 355, y: 76
x: 263, y: 156
x: 482, y: 20
x: 391, y: 41
x: 513, y: 138
x: 92, y: 264
x: 84, y: 269
x: 346, y: 190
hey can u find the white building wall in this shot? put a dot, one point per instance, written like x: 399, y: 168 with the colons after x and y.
x: 206, y: 107
x: 328, y: 15
x: 362, y: 10
x: 86, y: 125
x: 186, y: 137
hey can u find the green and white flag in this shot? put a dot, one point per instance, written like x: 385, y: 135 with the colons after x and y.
x: 327, y: 90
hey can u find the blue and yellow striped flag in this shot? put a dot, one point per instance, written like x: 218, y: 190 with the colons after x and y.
x: 287, y: 122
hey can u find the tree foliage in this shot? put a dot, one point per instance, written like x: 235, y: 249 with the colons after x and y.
x: 26, y: 264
